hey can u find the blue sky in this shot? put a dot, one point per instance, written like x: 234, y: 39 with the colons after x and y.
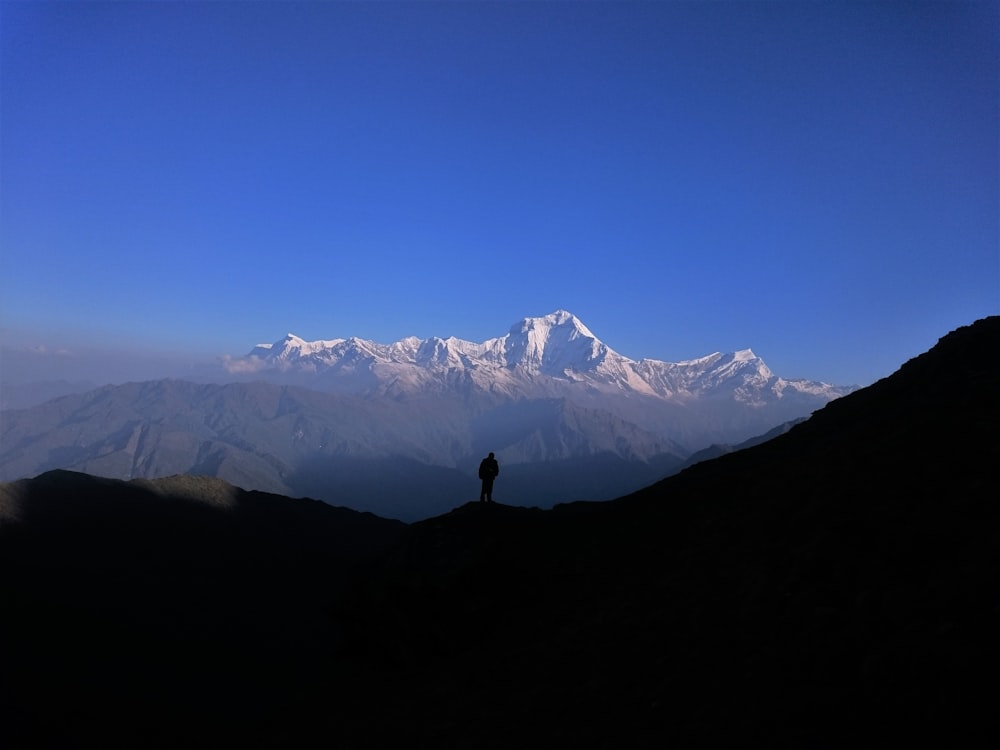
x: 815, y: 181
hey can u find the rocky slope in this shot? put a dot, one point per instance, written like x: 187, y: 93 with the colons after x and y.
x: 834, y: 586
x: 399, y: 429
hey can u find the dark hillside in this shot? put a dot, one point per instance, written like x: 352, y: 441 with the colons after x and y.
x: 839, y: 584
x: 836, y: 586
x: 139, y: 614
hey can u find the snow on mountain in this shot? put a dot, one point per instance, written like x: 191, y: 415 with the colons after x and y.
x: 548, y: 396
x: 539, y: 356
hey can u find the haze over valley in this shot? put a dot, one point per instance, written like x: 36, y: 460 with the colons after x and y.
x: 835, y: 583
x: 399, y: 429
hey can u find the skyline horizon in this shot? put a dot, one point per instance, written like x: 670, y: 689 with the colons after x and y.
x: 182, y: 181
x: 30, y: 364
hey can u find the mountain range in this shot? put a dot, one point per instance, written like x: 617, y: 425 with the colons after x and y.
x: 399, y: 429
x: 836, y: 585
x: 543, y: 357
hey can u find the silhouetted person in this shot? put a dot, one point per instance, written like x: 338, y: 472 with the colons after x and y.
x: 488, y: 470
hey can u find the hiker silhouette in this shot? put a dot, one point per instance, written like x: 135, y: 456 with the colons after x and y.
x: 488, y: 470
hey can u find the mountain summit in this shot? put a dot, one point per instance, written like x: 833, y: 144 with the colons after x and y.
x: 354, y: 422
x: 830, y: 587
x: 554, y: 344
x: 551, y: 355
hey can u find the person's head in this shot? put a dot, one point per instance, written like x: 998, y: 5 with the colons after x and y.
x: 491, y: 454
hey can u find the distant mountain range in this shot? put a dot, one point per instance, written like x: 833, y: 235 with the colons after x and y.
x: 399, y: 429
x: 834, y: 586
x: 544, y: 357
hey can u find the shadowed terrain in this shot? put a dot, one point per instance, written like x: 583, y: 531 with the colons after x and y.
x: 837, y: 585
x: 399, y: 430
x: 135, y: 613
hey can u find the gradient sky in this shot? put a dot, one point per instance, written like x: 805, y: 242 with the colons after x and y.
x: 182, y: 180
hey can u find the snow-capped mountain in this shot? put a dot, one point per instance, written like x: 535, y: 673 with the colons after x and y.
x: 399, y: 428
x: 551, y: 355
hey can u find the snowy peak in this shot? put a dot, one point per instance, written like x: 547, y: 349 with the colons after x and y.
x: 741, y: 363
x: 721, y: 365
x: 560, y: 319
x: 289, y: 353
x: 553, y: 344
x: 292, y: 347
x: 539, y: 356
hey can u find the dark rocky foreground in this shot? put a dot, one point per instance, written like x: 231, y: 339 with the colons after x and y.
x: 837, y: 585
x: 169, y: 612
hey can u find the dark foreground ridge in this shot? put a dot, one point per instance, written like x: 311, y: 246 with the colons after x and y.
x: 838, y: 585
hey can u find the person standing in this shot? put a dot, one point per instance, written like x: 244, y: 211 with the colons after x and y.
x: 488, y: 470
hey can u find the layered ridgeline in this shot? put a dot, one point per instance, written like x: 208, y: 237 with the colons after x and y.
x: 551, y: 356
x: 399, y: 429
x: 831, y: 587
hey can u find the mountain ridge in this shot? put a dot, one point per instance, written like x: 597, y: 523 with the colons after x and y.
x: 571, y: 417
x: 557, y: 346
x: 831, y: 587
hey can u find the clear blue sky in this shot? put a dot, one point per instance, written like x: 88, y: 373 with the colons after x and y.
x: 815, y: 181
